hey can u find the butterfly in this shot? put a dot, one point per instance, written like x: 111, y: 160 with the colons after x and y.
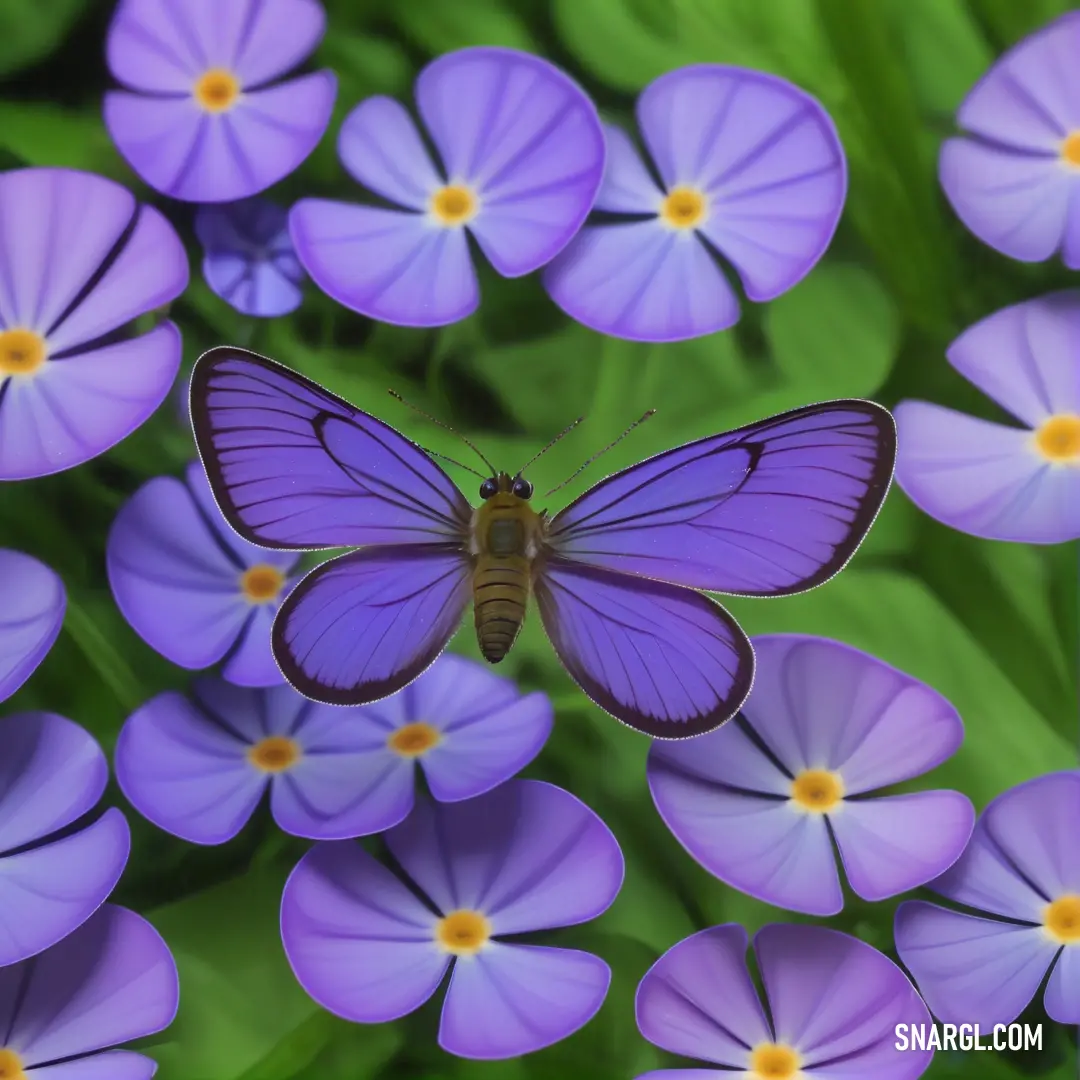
x: 770, y: 509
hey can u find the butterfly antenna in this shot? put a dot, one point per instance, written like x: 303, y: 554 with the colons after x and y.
x: 446, y: 427
x: 637, y: 423
x: 562, y: 435
x: 460, y: 465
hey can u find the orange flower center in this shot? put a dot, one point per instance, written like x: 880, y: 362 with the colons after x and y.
x: 412, y: 740
x: 1058, y: 439
x: 22, y: 352
x: 10, y: 1066
x: 773, y: 1061
x: 684, y: 208
x: 261, y: 584
x: 463, y: 933
x: 1062, y: 920
x: 1070, y: 149
x: 217, y: 90
x: 274, y: 754
x: 454, y: 204
x: 817, y: 790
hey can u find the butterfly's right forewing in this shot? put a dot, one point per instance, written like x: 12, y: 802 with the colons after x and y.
x: 292, y: 466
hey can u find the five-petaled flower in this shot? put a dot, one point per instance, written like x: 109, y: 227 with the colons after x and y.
x: 834, y: 1004
x: 760, y: 801
x: 526, y: 856
x: 190, y: 587
x: 198, y: 766
x: 205, y: 116
x: 521, y: 158
x: 750, y: 166
x: 1000, y: 481
x: 1022, y: 868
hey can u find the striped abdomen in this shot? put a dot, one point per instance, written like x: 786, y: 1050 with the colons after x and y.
x: 500, y: 592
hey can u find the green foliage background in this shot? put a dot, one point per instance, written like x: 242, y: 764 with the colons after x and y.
x: 993, y: 626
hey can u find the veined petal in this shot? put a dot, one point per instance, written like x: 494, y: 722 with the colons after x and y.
x: 278, y: 36
x: 110, y: 1065
x: 389, y: 265
x: 984, y: 478
x: 251, y: 662
x: 628, y: 188
x: 69, y: 411
x: 1062, y: 998
x: 642, y: 282
x: 149, y: 48
x: 34, y: 605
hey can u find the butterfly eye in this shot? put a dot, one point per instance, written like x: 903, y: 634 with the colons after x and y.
x: 488, y: 488
x: 522, y: 489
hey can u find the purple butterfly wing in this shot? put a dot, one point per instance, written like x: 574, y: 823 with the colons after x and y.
x: 773, y: 508
x: 662, y: 659
x: 292, y: 466
x: 363, y: 625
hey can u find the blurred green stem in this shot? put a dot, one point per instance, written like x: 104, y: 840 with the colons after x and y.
x: 102, y: 656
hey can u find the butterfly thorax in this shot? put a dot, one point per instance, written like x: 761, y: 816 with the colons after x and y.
x: 505, y: 538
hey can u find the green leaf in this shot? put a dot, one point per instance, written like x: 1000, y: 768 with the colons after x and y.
x: 31, y: 29
x: 837, y: 333
x: 896, y: 618
x: 239, y: 1000
x: 438, y: 27
x: 49, y: 135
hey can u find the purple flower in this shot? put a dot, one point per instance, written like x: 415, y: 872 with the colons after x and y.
x: 994, y: 480
x: 526, y: 856
x: 33, y: 612
x: 750, y: 166
x: 51, y: 774
x: 79, y: 260
x: 198, y: 767
x: 834, y: 1004
x: 1022, y: 868
x: 521, y: 157
x: 1014, y: 177
x: 248, y: 257
x: 190, y: 587
x: 111, y: 981
x: 206, y: 116
x: 760, y: 801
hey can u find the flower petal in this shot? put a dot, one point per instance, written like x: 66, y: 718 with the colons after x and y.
x: 48, y: 891
x: 1062, y: 998
x: 833, y: 996
x: 971, y: 970
x: 111, y: 1065
x: 280, y: 35
x: 983, y: 478
x: 251, y: 662
x: 110, y: 981
x: 769, y: 158
x: 628, y: 188
x: 261, y: 288
x: 386, y: 264
x: 186, y: 772
x: 358, y: 941
x: 820, y: 704
x: 894, y: 844
x: 381, y: 148
x: 760, y: 846
x: 34, y: 605
x: 149, y: 50
x: 1018, y: 203
x: 490, y: 731
x: 51, y: 773
x: 69, y: 411
x: 1024, y: 356
x: 526, y: 137
x: 514, y: 999
x: 697, y: 1000
x: 642, y: 282
x: 528, y: 855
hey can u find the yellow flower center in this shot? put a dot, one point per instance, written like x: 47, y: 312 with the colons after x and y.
x: 1062, y: 920
x: 1070, y: 149
x: 463, y: 933
x: 261, y: 584
x: 22, y: 352
x: 1058, y: 439
x: 217, y: 90
x: 817, y: 790
x: 275, y: 754
x: 412, y: 740
x: 684, y: 208
x: 772, y: 1061
x: 10, y: 1066
x: 454, y: 204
